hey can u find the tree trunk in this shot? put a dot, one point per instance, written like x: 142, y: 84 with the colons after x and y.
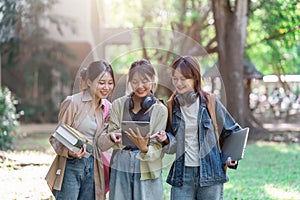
x: 248, y: 91
x: 231, y: 23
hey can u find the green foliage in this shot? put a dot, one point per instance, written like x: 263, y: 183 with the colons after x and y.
x: 8, y: 119
x: 8, y: 40
x: 136, y: 13
x: 158, y: 20
x: 273, y: 28
x: 153, y: 17
x: 273, y: 36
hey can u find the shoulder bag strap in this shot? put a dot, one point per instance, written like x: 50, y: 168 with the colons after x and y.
x: 211, y: 109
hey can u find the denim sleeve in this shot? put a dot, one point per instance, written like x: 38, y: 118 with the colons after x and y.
x: 225, y: 121
x: 171, y: 147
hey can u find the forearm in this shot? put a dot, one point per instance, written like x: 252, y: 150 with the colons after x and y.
x: 58, y: 147
x: 154, y: 151
x: 104, y: 142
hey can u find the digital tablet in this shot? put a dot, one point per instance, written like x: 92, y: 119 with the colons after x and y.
x: 143, y: 126
x: 235, y: 144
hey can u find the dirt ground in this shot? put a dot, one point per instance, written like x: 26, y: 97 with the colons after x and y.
x: 22, y: 172
x: 22, y: 176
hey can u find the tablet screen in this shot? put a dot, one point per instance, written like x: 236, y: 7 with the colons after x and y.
x: 143, y: 126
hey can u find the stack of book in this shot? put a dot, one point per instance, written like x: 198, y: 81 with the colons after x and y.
x: 72, y: 139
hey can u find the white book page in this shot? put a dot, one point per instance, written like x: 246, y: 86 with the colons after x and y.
x: 67, y: 135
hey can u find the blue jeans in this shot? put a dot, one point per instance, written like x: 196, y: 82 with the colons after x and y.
x: 191, y: 189
x: 125, y: 179
x: 78, y: 182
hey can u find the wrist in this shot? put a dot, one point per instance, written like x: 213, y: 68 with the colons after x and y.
x: 144, y: 150
x: 70, y: 154
x: 166, y: 141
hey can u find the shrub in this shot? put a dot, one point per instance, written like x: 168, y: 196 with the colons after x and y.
x: 8, y: 119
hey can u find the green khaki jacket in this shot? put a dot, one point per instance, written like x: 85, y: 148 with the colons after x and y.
x: 150, y: 162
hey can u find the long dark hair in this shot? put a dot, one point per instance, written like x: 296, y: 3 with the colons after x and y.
x: 143, y: 67
x: 93, y: 70
x: 190, y: 69
x: 97, y: 67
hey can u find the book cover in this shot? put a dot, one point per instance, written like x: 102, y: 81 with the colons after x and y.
x: 72, y: 139
x: 235, y: 145
x: 65, y: 142
x: 80, y: 139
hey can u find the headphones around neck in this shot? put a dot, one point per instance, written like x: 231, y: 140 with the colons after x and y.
x: 186, y: 99
x: 146, y: 102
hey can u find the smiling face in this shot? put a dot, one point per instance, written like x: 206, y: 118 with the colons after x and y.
x: 181, y: 83
x: 186, y: 75
x: 102, y: 86
x: 141, y: 85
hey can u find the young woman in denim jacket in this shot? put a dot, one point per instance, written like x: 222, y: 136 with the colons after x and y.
x: 73, y: 176
x: 136, y: 171
x: 198, y: 171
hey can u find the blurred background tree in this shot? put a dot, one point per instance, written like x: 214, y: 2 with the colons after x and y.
x: 273, y: 37
x: 9, y: 124
x: 264, y: 32
x: 29, y: 58
x: 225, y: 32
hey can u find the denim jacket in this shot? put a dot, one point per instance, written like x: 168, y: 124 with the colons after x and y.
x: 211, y: 159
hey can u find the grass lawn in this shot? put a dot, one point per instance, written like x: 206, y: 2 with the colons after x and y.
x: 268, y: 171
x: 33, y: 142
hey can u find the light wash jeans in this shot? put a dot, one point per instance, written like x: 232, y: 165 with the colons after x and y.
x: 78, y: 182
x: 191, y: 189
x: 125, y: 183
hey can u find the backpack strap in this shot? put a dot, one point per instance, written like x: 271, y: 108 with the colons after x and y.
x: 211, y: 99
x: 170, y: 107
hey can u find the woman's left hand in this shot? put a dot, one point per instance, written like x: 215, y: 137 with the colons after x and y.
x: 231, y: 163
x: 137, y: 138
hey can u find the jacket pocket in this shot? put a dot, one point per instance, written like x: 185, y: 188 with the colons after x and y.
x: 208, y: 128
x: 208, y: 125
